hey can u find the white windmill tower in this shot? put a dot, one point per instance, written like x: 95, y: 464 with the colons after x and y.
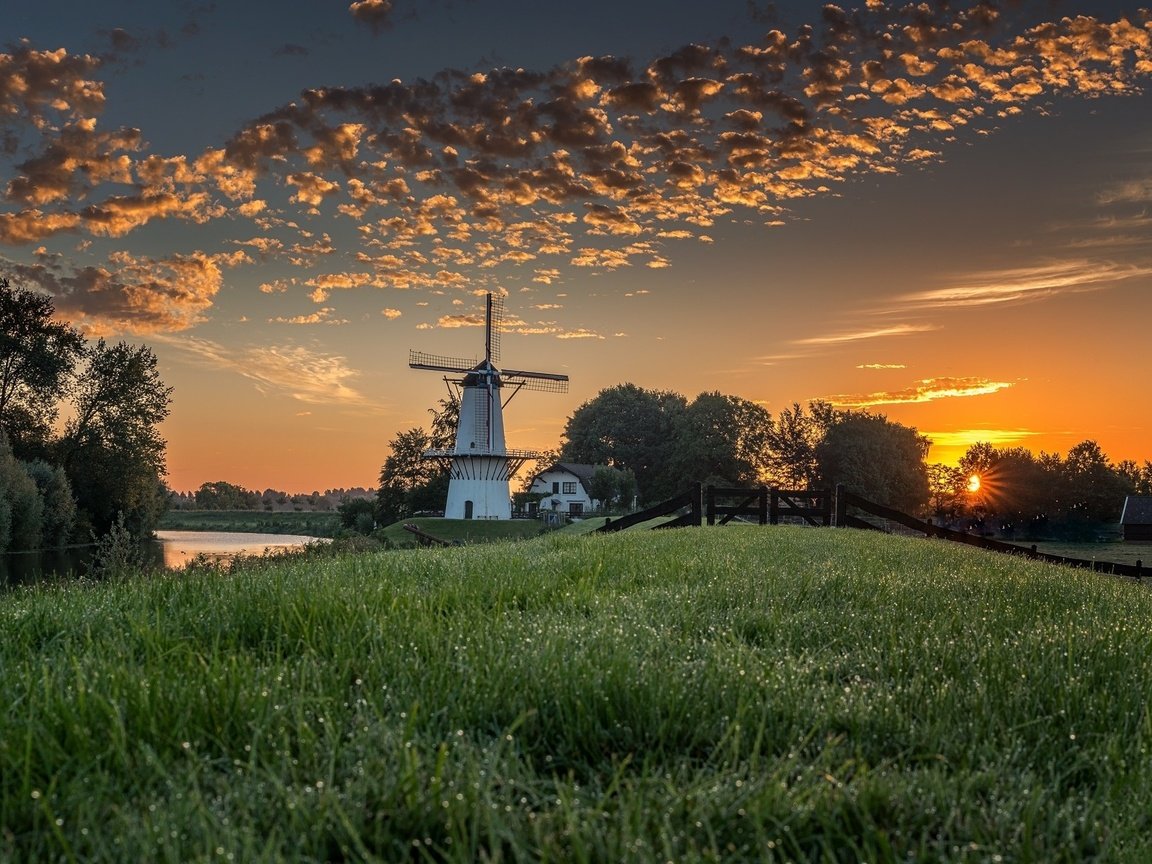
x: 481, y: 464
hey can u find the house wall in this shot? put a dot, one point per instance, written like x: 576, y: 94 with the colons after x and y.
x: 563, y: 500
x: 1138, y: 533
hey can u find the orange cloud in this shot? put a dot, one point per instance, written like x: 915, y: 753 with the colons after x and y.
x: 926, y: 390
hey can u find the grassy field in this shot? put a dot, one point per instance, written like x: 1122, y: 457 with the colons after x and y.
x: 311, y: 524
x: 463, y: 531
x: 780, y: 694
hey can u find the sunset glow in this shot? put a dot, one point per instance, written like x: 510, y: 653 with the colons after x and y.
x: 780, y: 201
x: 974, y: 483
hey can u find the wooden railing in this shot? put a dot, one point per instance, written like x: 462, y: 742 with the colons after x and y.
x: 687, y: 501
x: 846, y: 499
x: 767, y: 506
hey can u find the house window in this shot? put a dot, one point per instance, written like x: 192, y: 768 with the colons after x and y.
x: 575, y: 508
x: 570, y: 488
x: 555, y: 488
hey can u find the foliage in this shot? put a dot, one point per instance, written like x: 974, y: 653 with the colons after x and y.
x: 877, y: 458
x: 722, y: 440
x: 1046, y: 494
x: 59, y: 505
x: 37, y: 356
x: 737, y: 695
x: 791, y: 444
x: 220, y: 495
x: 358, y: 514
x: 410, y: 483
x: 112, y: 449
x: 21, y: 505
x: 111, y: 452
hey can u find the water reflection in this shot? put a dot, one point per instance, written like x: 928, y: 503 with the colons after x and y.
x: 179, y: 548
x: 172, y: 549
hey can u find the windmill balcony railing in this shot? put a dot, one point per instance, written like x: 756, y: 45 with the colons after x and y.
x: 508, y: 452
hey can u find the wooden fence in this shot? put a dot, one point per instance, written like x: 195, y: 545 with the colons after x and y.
x: 684, y: 507
x: 844, y: 519
x: 822, y: 507
x: 767, y: 506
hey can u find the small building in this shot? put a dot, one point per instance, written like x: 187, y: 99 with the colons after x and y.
x: 1136, y: 519
x: 566, y: 488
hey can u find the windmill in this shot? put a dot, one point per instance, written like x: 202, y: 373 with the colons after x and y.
x: 480, y: 465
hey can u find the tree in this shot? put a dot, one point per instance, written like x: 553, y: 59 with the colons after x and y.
x: 358, y: 514
x: 1139, y: 477
x: 37, y: 358
x: 791, y: 442
x: 220, y: 495
x: 1093, y: 490
x: 722, y: 440
x: 112, y: 449
x: 59, y: 505
x: 877, y: 458
x: 631, y: 428
x: 604, y: 486
x: 21, y: 506
x: 947, y: 491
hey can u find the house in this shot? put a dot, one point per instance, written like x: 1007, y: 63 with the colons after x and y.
x: 566, y: 488
x: 1136, y: 519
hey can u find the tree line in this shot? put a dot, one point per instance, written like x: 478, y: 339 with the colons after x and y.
x: 104, y: 466
x: 665, y: 441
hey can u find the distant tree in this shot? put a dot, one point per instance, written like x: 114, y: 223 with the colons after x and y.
x: 1139, y: 477
x: 604, y: 486
x: 722, y: 440
x: 358, y: 514
x: 631, y: 428
x: 219, y: 495
x: 112, y: 450
x: 1093, y: 489
x: 37, y: 358
x: 1017, y: 488
x: 792, y: 439
x: 877, y: 458
x: 947, y: 491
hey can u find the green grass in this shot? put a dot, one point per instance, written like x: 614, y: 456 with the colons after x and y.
x: 464, y: 531
x: 694, y: 695
x: 313, y: 524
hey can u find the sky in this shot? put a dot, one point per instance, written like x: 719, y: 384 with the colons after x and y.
x: 941, y: 212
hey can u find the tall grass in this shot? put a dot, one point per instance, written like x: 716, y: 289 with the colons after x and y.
x: 712, y: 694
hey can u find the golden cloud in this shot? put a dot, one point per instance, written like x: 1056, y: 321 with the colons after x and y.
x: 926, y: 390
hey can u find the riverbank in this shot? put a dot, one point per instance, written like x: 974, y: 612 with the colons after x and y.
x: 312, y: 524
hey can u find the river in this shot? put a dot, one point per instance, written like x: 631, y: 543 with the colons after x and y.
x: 171, y: 549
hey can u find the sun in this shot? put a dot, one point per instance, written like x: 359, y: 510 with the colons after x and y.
x: 974, y: 483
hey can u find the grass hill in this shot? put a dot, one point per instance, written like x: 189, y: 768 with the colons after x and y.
x: 708, y: 694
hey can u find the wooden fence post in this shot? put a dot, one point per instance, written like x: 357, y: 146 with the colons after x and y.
x: 774, y: 507
x: 763, y: 505
x: 710, y: 510
x: 841, y: 506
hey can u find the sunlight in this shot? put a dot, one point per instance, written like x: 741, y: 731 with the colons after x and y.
x: 974, y: 483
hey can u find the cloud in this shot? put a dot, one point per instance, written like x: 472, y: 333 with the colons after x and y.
x: 876, y: 366
x: 377, y: 14
x: 294, y: 371
x: 965, y: 438
x: 871, y: 333
x: 593, y: 163
x: 1026, y: 284
x: 320, y: 316
x: 134, y: 294
x: 926, y: 390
